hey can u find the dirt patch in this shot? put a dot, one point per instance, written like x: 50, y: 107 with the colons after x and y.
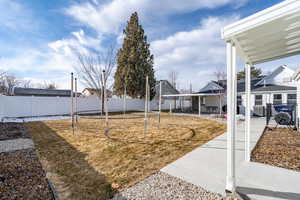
x: 22, y: 176
x: 13, y: 131
x: 89, y: 165
x: 279, y: 147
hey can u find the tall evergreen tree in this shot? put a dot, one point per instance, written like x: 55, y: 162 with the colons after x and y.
x: 134, y: 62
x: 255, y: 72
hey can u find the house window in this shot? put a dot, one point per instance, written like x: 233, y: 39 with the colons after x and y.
x: 239, y: 100
x: 202, y: 99
x: 258, y: 100
x: 291, y: 99
x: 277, y: 99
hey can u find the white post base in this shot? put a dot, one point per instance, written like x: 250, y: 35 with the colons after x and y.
x: 230, y: 184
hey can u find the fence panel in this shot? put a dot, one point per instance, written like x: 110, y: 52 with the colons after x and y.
x: 29, y: 106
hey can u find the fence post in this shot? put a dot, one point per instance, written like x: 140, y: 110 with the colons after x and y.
x: 31, y: 107
x: 2, y: 102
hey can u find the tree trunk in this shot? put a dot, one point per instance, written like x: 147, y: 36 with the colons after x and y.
x: 102, y: 99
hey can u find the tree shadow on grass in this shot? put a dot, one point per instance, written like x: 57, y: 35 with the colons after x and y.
x: 68, y: 168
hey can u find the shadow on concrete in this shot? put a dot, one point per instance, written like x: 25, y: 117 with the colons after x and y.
x: 269, y: 193
x: 220, y: 148
x: 68, y: 169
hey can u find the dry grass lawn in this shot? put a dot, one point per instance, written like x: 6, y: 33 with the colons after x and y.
x: 90, y: 165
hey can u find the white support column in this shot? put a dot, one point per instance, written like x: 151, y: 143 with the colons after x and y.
x: 199, y: 105
x: 247, y: 112
x: 231, y: 119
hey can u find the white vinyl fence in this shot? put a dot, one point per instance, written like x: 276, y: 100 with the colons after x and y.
x: 32, y: 106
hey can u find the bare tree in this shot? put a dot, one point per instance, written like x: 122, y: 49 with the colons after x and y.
x: 95, y: 70
x: 173, y: 76
x: 50, y: 85
x: 2, y: 82
x: 45, y: 85
x: 26, y: 84
x: 7, y: 81
x: 12, y: 81
x: 220, y: 76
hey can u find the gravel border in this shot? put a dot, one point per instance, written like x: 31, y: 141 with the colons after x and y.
x: 162, y: 186
x: 22, y: 176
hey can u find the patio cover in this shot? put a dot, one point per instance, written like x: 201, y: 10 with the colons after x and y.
x: 268, y: 35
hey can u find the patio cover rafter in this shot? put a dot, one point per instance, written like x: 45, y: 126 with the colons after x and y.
x: 271, y: 34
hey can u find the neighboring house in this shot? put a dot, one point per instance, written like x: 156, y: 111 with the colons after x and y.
x: 19, y: 91
x: 276, y: 88
x: 296, y: 77
x: 88, y: 92
x: 166, y: 89
x: 212, y: 97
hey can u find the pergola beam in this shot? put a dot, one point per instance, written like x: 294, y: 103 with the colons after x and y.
x: 271, y: 45
x: 280, y: 30
x: 269, y: 52
x: 274, y: 57
x: 284, y: 9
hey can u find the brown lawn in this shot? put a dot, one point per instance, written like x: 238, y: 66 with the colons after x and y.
x: 92, y: 165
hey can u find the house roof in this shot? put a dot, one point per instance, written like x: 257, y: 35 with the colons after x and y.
x: 95, y: 90
x: 217, y: 86
x: 211, y: 87
x: 241, y: 84
x: 167, y: 88
x: 269, y: 79
x: 274, y: 88
x: 19, y: 91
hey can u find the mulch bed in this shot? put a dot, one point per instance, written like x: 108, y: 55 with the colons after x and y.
x: 279, y: 147
x: 22, y: 176
x: 13, y: 131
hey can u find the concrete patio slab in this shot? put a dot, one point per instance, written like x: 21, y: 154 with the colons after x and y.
x: 206, y: 167
x: 16, y: 144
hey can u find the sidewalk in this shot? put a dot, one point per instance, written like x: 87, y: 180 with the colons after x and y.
x: 206, y: 167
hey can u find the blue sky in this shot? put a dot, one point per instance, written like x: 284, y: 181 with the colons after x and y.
x: 38, y: 39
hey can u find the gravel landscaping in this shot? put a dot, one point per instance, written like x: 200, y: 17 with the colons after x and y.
x: 22, y: 176
x: 162, y: 186
x: 13, y: 131
x: 279, y: 147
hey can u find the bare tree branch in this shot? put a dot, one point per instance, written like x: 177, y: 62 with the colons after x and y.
x: 220, y: 76
x: 95, y: 70
x: 173, y: 77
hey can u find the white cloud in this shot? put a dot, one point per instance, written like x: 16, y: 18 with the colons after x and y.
x: 78, y: 42
x: 59, y: 56
x: 107, y: 18
x: 15, y: 16
x: 195, y: 54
